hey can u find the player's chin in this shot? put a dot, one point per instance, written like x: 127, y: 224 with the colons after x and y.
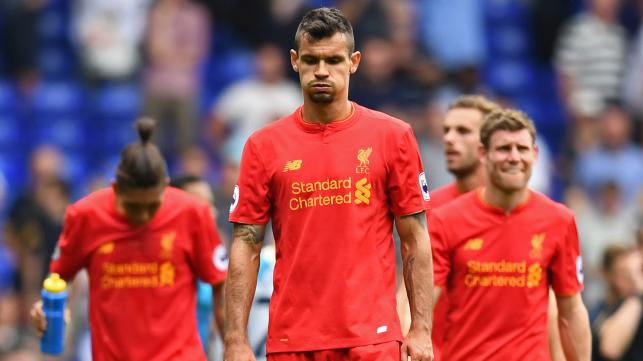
x: 513, y: 183
x: 322, y: 97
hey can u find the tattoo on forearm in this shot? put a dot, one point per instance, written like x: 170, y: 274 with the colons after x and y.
x: 249, y: 233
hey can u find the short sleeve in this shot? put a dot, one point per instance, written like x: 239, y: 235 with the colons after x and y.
x: 566, y: 270
x: 209, y: 255
x: 68, y: 257
x: 251, y: 197
x: 441, y: 251
x: 407, y: 185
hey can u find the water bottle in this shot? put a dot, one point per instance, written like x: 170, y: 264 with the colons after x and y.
x: 54, y: 297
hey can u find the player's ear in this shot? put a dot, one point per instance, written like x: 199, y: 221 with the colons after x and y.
x: 356, y: 57
x: 536, y: 151
x: 482, y: 154
x: 293, y: 60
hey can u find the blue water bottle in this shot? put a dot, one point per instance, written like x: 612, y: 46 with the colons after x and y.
x: 54, y: 297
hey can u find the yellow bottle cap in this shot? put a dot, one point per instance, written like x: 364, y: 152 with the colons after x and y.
x: 54, y: 283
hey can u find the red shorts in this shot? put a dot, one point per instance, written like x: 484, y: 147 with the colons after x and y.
x: 387, y: 351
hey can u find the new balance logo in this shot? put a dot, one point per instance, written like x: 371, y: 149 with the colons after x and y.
x: 474, y: 244
x: 292, y: 165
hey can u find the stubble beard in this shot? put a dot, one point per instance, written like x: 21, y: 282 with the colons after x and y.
x: 323, y: 98
x: 465, y: 171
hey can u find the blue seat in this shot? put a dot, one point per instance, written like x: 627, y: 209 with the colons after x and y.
x: 8, y: 99
x: 58, y: 98
x: 56, y: 62
x: 54, y: 26
x: 10, y: 132
x: 119, y: 100
x: 506, y: 11
x: 508, y: 41
x: 509, y: 77
x: 13, y: 165
x: 66, y: 132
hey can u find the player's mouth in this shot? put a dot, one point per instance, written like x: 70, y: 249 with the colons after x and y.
x: 321, y: 86
x: 450, y: 154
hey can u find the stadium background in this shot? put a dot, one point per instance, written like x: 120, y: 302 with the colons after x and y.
x: 65, y: 114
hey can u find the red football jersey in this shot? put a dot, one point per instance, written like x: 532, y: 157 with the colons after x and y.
x: 444, y: 195
x: 142, y: 280
x: 497, y: 269
x: 440, y: 197
x: 331, y: 192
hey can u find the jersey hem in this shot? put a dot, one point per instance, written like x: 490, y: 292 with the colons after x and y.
x: 246, y: 220
x: 276, y: 346
x: 404, y: 213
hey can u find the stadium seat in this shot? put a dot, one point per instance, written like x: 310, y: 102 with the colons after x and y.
x: 58, y: 98
x: 509, y: 42
x: 509, y: 77
x: 10, y: 134
x: 53, y: 27
x: 64, y: 131
x: 117, y: 101
x: 56, y: 62
x: 8, y: 99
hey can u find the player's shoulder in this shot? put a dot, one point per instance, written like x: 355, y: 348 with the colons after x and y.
x: 99, y: 199
x: 277, y: 126
x: 380, y: 120
x: 553, y: 209
x: 443, y: 195
x: 180, y: 200
x: 459, y: 207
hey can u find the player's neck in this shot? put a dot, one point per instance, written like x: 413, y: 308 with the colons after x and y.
x: 503, y: 199
x: 470, y: 181
x: 324, y: 113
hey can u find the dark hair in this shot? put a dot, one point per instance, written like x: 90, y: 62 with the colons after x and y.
x: 505, y: 119
x: 183, y: 180
x: 611, y: 254
x: 141, y: 164
x: 323, y: 23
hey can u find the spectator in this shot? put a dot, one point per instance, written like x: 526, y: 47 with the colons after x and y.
x: 34, y: 223
x: 616, y: 159
x: 600, y: 224
x: 618, y: 323
x: 176, y: 44
x: 590, y: 58
x: 109, y: 34
x: 21, y: 39
x: 250, y: 104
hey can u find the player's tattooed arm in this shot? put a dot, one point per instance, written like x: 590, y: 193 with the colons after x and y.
x: 418, y: 279
x: 249, y: 233
x: 417, y: 266
x: 242, y: 281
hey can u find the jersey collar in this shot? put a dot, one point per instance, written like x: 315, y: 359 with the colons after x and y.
x: 334, y: 126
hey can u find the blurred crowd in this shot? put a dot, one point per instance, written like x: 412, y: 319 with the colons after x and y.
x: 75, y: 74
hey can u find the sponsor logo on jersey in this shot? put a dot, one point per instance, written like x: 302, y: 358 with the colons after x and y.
x: 503, y: 273
x: 292, y: 165
x: 220, y: 258
x: 235, y: 198
x: 424, y: 186
x: 362, y: 157
x: 537, y: 245
x: 167, y: 242
x: 56, y: 253
x: 474, y: 244
x: 363, y: 191
x: 329, y: 192
x: 579, y: 269
x: 106, y: 248
x: 534, y: 275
